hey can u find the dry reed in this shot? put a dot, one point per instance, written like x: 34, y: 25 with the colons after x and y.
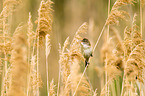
x: 19, y: 66
x: 43, y: 28
x: 19, y: 55
x: 8, y: 8
x: 70, y: 70
x: 134, y: 64
x: 45, y: 18
x: 52, y: 90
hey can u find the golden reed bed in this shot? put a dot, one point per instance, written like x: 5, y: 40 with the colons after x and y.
x: 25, y: 49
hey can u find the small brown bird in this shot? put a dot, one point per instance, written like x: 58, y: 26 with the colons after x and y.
x: 86, y: 50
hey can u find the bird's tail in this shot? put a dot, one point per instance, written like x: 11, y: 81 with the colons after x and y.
x: 86, y: 63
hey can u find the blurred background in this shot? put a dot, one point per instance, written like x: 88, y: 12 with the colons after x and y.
x: 68, y: 16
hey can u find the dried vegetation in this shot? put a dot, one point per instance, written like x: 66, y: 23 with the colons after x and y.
x: 123, y: 60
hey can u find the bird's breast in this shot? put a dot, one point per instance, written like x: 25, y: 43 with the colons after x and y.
x: 87, y: 52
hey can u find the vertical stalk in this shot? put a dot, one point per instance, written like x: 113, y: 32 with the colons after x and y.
x: 4, y: 88
x: 59, y: 79
x: 107, y: 38
x: 140, y: 89
x: 80, y: 80
x: 141, y: 18
x: 141, y: 24
x: 124, y: 77
x: 38, y: 64
x: 4, y: 85
x: 28, y: 79
x: 99, y: 37
x: 108, y: 16
x: 47, y: 52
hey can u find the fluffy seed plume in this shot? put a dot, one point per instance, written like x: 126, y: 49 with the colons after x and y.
x: 19, y: 64
x: 33, y: 77
x: 116, y: 13
x: 134, y: 52
x: 31, y: 34
x: 52, y: 89
x: 134, y: 58
x: 76, y: 56
x: 45, y: 18
x: 136, y: 63
x: 70, y: 65
x: 75, y: 48
x: 112, y: 54
x: 64, y: 68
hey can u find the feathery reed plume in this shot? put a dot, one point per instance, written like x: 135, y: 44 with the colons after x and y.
x: 116, y: 13
x: 127, y: 43
x: 107, y: 38
x: 135, y: 63
x: 8, y: 7
x: 136, y: 35
x: 76, y: 56
x: 135, y: 40
x: 95, y: 93
x: 134, y: 69
x: 6, y: 83
x: 75, y: 52
x: 75, y: 48
x: 30, y: 34
x: 103, y: 91
x: 127, y: 50
x: 112, y: 57
x: 69, y: 63
x: 134, y: 55
x: 19, y: 64
x: 114, y: 16
x: 84, y: 87
x: 44, y: 27
x: 34, y: 81
x: 11, y: 3
x: 52, y: 90
x: 64, y: 69
x: 142, y: 2
x: 30, y: 38
x: 45, y: 18
x: 114, y: 50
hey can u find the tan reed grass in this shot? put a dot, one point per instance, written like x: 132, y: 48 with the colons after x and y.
x: 52, y: 89
x: 30, y: 38
x: 45, y: 18
x: 43, y: 28
x: 69, y: 66
x: 114, y: 59
x: 141, y: 18
x: 34, y: 80
x: 95, y: 93
x: 47, y: 49
x: 114, y: 49
x: 21, y: 74
x: 19, y: 64
x: 64, y: 69
x: 107, y: 38
x: 134, y: 50
x: 115, y: 16
x: 5, y: 15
